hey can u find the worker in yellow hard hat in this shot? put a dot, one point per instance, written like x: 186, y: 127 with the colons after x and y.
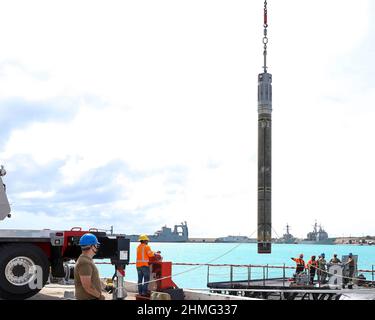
x: 144, y: 253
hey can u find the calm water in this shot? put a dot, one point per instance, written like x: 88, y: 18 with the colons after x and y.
x: 233, y: 253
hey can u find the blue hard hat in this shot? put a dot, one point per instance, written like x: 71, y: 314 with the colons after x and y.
x: 323, y: 254
x: 350, y: 254
x: 88, y: 239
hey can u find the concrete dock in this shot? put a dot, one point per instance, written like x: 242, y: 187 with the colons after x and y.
x: 66, y: 292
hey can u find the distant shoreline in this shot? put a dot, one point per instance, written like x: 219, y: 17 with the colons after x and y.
x: 359, y: 241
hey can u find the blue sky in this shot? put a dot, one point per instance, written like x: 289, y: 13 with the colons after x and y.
x: 141, y: 114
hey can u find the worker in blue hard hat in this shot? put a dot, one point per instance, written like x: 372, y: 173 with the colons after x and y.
x: 351, y: 269
x: 322, y: 269
x: 86, y: 275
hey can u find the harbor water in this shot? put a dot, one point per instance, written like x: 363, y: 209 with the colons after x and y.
x: 195, y: 277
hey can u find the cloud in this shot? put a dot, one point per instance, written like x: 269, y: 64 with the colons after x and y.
x: 34, y: 187
x: 108, y: 195
x: 166, y: 177
x: 17, y: 113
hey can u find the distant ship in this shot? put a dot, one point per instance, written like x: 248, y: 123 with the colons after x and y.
x: 318, y: 236
x: 180, y: 233
x: 287, y: 237
x: 235, y: 239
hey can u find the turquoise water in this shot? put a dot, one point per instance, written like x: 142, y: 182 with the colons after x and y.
x: 232, y: 253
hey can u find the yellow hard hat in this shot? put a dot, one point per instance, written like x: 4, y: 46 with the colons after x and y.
x: 143, y: 237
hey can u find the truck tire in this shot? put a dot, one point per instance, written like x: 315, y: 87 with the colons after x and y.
x: 24, y: 270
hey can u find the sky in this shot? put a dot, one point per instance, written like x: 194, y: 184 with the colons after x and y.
x: 140, y: 114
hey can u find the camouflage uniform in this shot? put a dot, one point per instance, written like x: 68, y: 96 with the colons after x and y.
x: 322, y: 271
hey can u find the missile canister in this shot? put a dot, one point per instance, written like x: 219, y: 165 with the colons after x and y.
x: 264, y: 161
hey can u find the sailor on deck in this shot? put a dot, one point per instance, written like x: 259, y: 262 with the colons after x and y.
x: 312, y: 265
x: 351, y: 270
x: 322, y: 269
x: 335, y: 260
x: 300, y: 267
x: 144, y: 253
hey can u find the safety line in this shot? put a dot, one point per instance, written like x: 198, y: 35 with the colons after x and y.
x: 199, y: 266
x: 233, y: 265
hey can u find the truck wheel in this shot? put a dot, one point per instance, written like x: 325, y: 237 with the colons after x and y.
x: 24, y: 270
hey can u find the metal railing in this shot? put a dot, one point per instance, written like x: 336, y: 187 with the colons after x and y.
x: 250, y: 270
x: 264, y: 272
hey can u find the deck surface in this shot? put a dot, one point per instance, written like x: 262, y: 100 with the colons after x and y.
x: 57, y: 292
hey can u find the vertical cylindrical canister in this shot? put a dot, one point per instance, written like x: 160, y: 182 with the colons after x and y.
x: 264, y: 162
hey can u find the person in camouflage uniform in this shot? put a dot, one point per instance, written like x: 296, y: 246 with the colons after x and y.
x: 322, y: 269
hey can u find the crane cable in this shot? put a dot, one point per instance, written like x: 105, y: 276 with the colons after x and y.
x: 265, y: 35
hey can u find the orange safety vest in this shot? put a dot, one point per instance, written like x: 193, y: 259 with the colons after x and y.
x: 313, y: 264
x: 144, y: 253
x: 299, y: 262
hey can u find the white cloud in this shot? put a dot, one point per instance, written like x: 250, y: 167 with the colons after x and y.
x: 16, y: 81
x: 37, y: 195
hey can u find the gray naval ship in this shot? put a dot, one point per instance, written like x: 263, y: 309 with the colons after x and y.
x: 235, y: 239
x: 318, y: 236
x: 180, y: 233
x: 287, y: 238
